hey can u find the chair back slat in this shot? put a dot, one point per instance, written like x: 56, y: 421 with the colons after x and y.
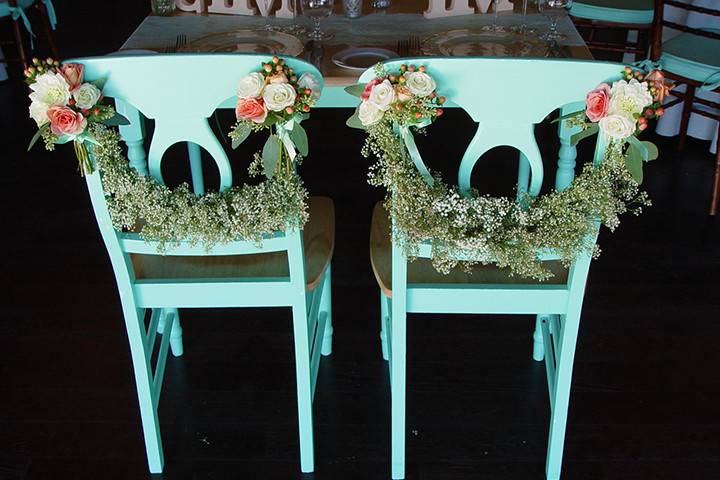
x: 660, y: 22
x: 507, y: 97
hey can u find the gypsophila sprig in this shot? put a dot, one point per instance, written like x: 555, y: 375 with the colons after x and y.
x: 480, y: 229
x: 157, y: 213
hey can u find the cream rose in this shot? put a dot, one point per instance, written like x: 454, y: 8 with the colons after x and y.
x: 51, y: 89
x: 369, y: 113
x: 308, y: 80
x: 382, y: 95
x: 617, y: 126
x: 38, y: 112
x: 251, y: 86
x: 628, y: 98
x: 86, y: 95
x: 278, y: 96
x: 419, y: 83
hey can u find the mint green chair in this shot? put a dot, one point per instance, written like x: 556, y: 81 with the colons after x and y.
x: 692, y: 58
x: 506, y: 115
x: 624, y: 15
x: 289, y: 269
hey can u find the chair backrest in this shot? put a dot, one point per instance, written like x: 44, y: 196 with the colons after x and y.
x: 661, y: 22
x: 179, y: 92
x: 507, y: 97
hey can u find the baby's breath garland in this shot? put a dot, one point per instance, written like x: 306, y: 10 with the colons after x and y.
x: 474, y: 229
x: 167, y: 215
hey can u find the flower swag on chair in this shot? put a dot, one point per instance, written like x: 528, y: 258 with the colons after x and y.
x: 525, y: 255
x: 250, y: 245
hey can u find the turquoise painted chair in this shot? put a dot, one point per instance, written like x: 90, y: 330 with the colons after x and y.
x: 16, y: 10
x: 290, y: 268
x: 506, y: 115
x: 691, y: 58
x: 625, y: 15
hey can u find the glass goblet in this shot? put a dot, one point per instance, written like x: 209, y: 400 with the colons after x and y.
x: 317, y: 10
x: 554, y: 10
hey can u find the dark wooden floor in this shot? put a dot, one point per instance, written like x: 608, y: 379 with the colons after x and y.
x: 645, y: 391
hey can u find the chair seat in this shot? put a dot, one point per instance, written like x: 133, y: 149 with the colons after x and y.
x: 636, y: 12
x: 421, y: 270
x: 319, y: 243
x: 691, y: 56
x: 5, y: 7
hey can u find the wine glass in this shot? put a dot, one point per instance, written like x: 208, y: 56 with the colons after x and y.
x: 265, y: 6
x: 316, y: 10
x: 554, y: 10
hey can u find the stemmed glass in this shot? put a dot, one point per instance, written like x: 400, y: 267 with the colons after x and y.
x: 264, y: 6
x: 554, y: 10
x: 316, y: 10
x: 495, y: 14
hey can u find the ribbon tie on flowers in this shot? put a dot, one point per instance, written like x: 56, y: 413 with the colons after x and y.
x: 283, y: 132
x: 412, y: 149
x: 712, y: 82
x: 52, y: 16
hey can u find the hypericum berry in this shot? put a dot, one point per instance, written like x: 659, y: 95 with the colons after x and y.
x: 418, y: 115
x: 392, y: 78
x: 411, y: 68
x: 275, y: 59
x: 660, y: 111
x: 433, y: 95
x: 642, y: 126
x: 278, y: 68
x: 439, y: 111
x: 649, y: 112
x: 642, y: 120
x: 71, y: 102
x: 36, y: 61
x: 96, y: 111
x: 267, y: 67
x: 421, y: 68
x: 306, y: 108
x: 401, y: 80
x: 441, y: 100
x: 308, y: 91
x: 290, y: 110
x: 403, y: 67
x: 49, y: 60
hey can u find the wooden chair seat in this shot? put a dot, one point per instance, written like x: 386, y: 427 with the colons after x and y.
x: 319, y: 243
x: 421, y: 271
x: 692, y: 56
x: 638, y: 12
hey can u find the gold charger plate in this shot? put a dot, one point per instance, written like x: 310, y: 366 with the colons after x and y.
x: 247, y: 41
x: 483, y: 43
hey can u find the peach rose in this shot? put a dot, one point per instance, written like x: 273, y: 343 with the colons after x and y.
x: 73, y: 74
x: 251, y: 109
x: 368, y: 88
x: 65, y: 121
x: 597, y: 102
x: 657, y: 79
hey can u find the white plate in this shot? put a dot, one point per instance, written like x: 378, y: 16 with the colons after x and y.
x: 362, y: 58
x: 247, y: 41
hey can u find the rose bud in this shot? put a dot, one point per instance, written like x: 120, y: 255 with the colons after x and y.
x: 439, y: 112
x: 421, y: 68
x: 290, y: 110
x: 660, y: 111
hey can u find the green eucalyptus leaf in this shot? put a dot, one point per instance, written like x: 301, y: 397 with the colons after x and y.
x: 100, y: 83
x: 241, y: 133
x: 300, y: 139
x: 37, y: 135
x: 271, y: 155
x: 116, y: 121
x: 634, y: 163
x: 355, y: 90
x: 591, y: 130
x: 652, y: 150
x: 354, y: 121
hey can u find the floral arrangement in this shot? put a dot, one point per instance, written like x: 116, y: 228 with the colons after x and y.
x: 474, y: 229
x: 275, y: 98
x: 63, y: 106
x: 406, y: 97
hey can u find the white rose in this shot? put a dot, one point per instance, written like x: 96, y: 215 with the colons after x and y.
x: 38, y: 112
x: 86, y: 95
x: 251, y: 86
x: 51, y: 89
x: 278, y: 96
x: 419, y: 83
x: 308, y: 80
x: 617, y: 126
x: 628, y: 98
x: 369, y: 113
x: 382, y: 95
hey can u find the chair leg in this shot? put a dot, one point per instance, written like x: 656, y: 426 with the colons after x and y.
x: 47, y: 28
x: 561, y: 396
x: 383, y: 322
x: 304, y: 385
x: 397, y: 381
x: 716, y: 183
x: 176, y: 341
x: 144, y: 382
x: 326, y: 306
x: 642, y: 41
x: 19, y: 43
x: 538, y: 344
x: 685, y: 118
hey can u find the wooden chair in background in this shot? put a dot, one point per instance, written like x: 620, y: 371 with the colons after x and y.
x: 289, y: 269
x: 691, y: 58
x: 415, y: 287
x: 17, y: 12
